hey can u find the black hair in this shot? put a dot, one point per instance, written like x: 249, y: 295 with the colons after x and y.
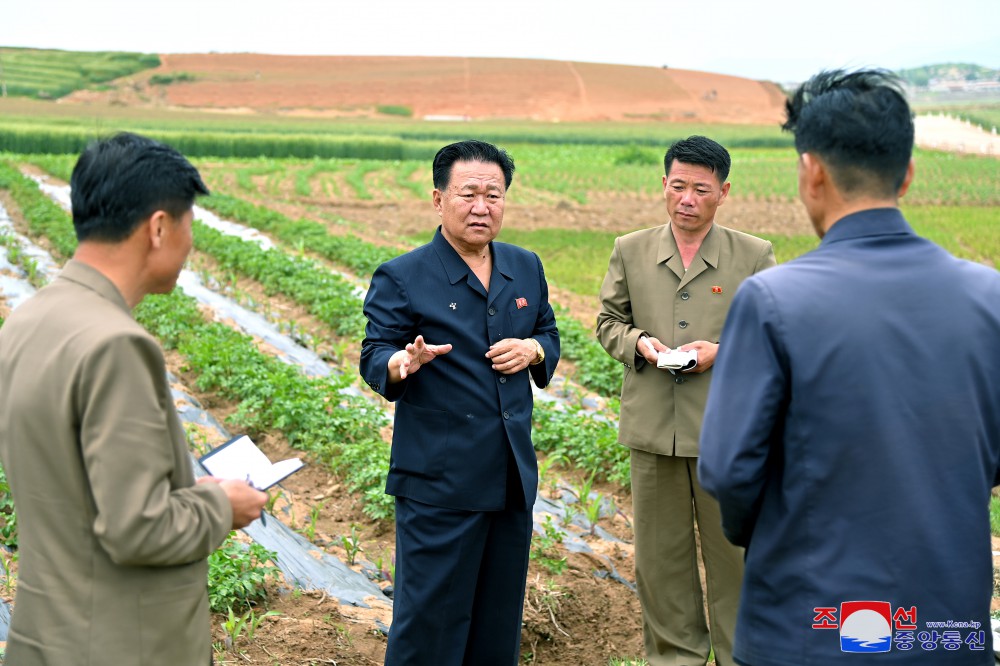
x: 120, y: 181
x: 700, y: 151
x: 859, y: 123
x: 470, y: 151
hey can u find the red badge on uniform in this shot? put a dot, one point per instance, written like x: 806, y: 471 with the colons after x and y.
x: 716, y: 289
x: 521, y: 302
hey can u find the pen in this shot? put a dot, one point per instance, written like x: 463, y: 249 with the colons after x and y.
x: 263, y: 521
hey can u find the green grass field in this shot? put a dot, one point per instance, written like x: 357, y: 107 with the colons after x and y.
x: 49, y: 74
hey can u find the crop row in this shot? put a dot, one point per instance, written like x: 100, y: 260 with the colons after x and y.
x: 51, y: 73
x: 236, y: 573
x: 595, y: 369
x: 575, y: 440
x: 48, y: 138
x: 295, y: 276
x: 550, y: 174
x: 314, y: 414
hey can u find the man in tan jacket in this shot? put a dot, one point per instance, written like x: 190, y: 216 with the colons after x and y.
x: 113, y: 530
x: 669, y: 287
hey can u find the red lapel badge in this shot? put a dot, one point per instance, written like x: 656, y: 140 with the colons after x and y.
x: 716, y: 289
x: 521, y: 303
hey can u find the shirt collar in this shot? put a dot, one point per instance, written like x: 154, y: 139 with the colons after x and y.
x: 91, y: 278
x: 871, y: 222
x: 455, y: 266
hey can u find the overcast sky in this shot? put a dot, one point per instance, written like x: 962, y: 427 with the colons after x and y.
x: 780, y: 40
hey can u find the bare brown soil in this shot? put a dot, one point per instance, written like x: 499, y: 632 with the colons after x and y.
x: 456, y: 88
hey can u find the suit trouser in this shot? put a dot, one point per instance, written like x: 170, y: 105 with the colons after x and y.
x: 666, y: 501
x: 460, y: 578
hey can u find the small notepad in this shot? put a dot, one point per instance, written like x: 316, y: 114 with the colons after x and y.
x: 239, y: 458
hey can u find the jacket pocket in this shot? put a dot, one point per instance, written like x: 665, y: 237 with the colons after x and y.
x: 174, y: 625
x: 521, y: 322
x: 419, y: 440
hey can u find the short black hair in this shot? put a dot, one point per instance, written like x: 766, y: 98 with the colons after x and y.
x: 859, y: 123
x: 470, y: 151
x: 120, y: 181
x: 700, y: 151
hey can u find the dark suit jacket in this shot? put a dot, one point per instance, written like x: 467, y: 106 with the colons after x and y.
x: 456, y: 418
x: 852, y: 435
x: 113, y: 531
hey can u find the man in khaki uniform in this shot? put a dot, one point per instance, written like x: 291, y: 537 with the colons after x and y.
x: 669, y: 287
x: 113, y: 530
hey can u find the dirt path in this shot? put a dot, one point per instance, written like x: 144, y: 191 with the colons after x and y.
x: 942, y: 132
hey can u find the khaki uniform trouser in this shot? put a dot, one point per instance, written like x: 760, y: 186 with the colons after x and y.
x: 667, y: 500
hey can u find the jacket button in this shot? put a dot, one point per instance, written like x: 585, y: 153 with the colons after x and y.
x: 492, y: 311
x: 682, y: 324
x: 679, y: 380
x: 685, y: 295
x: 506, y: 414
x: 503, y: 380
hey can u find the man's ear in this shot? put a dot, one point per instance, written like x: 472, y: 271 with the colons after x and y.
x: 437, y: 199
x: 724, y: 192
x: 813, y: 176
x: 155, y: 228
x: 907, y: 179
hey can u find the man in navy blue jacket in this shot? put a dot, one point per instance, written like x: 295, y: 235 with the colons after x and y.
x: 457, y: 329
x: 852, y: 432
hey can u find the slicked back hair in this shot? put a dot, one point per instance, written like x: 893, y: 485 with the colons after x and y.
x: 700, y: 151
x: 120, y: 181
x: 860, y: 124
x: 470, y: 151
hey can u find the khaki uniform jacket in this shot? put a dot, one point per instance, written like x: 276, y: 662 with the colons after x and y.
x: 113, y: 532
x: 647, y: 291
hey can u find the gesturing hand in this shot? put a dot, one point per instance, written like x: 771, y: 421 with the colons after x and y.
x: 407, y: 361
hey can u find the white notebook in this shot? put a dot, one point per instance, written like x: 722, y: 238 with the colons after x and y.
x: 239, y: 458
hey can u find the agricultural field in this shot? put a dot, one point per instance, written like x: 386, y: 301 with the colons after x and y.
x: 330, y: 220
x: 50, y: 74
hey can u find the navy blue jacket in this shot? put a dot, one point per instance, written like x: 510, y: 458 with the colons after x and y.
x: 456, y: 418
x: 852, y: 436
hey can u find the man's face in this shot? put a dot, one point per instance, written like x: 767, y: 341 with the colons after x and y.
x: 471, y: 207
x: 692, y: 193
x: 173, y: 252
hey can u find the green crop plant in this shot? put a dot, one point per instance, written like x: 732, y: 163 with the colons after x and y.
x: 326, y: 295
x: 310, y: 528
x: 394, y: 110
x: 357, y: 178
x: 544, y: 547
x: 592, y: 510
x: 590, y: 441
x: 995, y: 515
x: 349, y: 251
x: 8, y: 515
x: 9, y: 580
x: 352, y: 545
x: 311, y: 412
x: 236, y: 626
x: 238, y: 575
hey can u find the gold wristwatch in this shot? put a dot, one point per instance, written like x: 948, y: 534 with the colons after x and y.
x: 538, y: 350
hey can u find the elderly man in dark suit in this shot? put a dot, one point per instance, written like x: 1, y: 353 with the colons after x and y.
x: 457, y: 329
x: 113, y: 530
x: 852, y: 433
